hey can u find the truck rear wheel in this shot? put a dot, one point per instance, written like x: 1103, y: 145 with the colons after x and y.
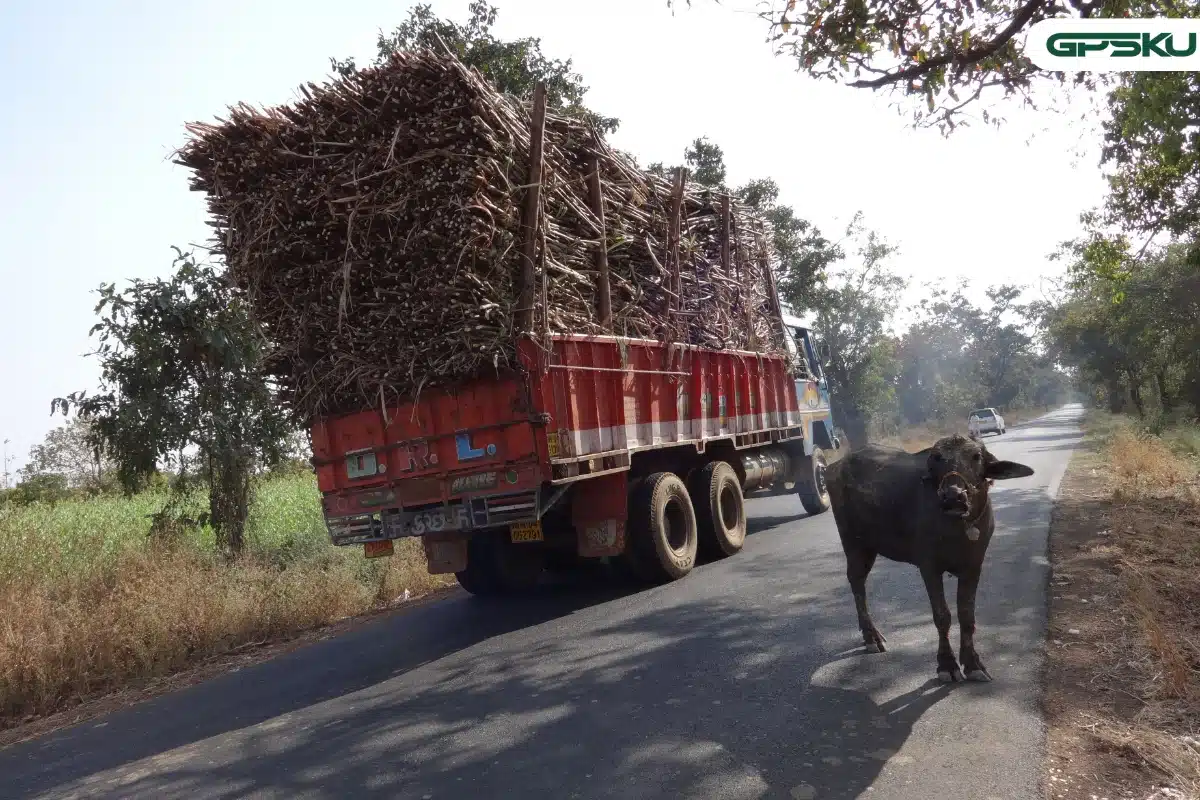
x: 814, y: 494
x: 662, y: 529
x: 720, y: 509
x: 496, y: 566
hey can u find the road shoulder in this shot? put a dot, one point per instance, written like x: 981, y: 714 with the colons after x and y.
x: 1123, y: 665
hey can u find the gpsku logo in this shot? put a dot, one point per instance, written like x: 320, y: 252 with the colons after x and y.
x: 1115, y: 45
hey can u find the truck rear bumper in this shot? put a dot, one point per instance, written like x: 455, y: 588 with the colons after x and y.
x: 477, y: 513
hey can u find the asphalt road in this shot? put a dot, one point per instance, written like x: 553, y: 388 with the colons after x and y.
x: 744, y: 680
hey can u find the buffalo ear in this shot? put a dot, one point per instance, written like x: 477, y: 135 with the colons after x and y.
x: 1006, y: 470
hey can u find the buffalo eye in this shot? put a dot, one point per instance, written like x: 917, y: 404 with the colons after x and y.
x: 978, y: 458
x: 937, y: 456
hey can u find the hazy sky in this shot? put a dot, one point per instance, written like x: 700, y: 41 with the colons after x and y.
x: 97, y: 93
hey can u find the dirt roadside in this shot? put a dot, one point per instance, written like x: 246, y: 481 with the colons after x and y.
x: 1122, y: 687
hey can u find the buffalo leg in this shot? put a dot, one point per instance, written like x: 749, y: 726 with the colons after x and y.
x: 947, y: 667
x: 972, y: 664
x: 858, y: 567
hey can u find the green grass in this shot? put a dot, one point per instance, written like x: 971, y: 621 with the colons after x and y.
x: 72, y: 537
x: 90, y: 601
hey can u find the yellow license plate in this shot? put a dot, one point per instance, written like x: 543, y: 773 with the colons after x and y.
x: 379, y: 549
x: 552, y: 443
x: 527, y: 532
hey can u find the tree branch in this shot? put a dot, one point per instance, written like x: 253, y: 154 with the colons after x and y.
x: 971, y: 56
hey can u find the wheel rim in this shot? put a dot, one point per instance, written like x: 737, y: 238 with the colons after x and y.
x: 675, y: 525
x: 820, y: 478
x: 728, y: 508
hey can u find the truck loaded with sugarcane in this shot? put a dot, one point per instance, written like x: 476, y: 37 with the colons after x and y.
x: 506, y: 339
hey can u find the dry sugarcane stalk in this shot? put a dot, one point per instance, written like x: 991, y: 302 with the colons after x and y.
x: 376, y: 228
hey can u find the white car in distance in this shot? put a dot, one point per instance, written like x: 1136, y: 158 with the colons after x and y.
x: 984, y: 420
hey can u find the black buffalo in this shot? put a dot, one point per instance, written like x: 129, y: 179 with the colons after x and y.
x: 930, y: 509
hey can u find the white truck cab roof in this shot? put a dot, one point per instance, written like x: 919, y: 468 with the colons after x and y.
x: 792, y: 321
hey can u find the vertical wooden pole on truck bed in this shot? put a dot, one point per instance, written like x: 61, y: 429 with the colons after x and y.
x: 743, y: 281
x: 603, y: 290
x: 673, y: 234
x: 726, y: 244
x: 529, y: 216
x: 676, y: 232
x: 764, y: 260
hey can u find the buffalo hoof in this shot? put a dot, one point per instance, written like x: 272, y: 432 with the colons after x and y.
x: 979, y: 676
x: 950, y: 676
x: 873, y: 642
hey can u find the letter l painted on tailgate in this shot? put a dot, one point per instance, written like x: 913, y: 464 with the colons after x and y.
x: 466, y: 452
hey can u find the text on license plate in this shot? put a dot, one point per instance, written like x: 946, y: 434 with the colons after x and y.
x: 439, y: 519
x: 527, y: 532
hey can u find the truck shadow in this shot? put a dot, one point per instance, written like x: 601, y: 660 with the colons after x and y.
x: 695, y: 700
x: 577, y: 691
x: 762, y: 524
x: 363, y: 657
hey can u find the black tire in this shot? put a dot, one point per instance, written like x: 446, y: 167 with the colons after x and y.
x: 663, y: 539
x: 814, y: 494
x: 496, y: 566
x: 720, y: 509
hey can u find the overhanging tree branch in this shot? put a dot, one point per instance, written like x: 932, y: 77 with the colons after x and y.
x: 971, y: 56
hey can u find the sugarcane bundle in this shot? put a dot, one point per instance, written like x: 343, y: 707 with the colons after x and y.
x: 375, y: 227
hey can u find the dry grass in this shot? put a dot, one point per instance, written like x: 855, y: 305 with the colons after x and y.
x: 1145, y: 467
x: 1174, y: 759
x: 1130, y: 533
x: 88, y: 604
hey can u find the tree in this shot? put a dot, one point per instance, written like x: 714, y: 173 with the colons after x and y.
x: 947, y: 55
x: 803, y: 252
x: 69, y: 452
x: 1132, y: 329
x: 514, y: 67
x: 1001, y: 349
x: 854, y: 309
x: 180, y: 368
x: 1153, y: 146
x: 936, y: 377
x: 706, y: 163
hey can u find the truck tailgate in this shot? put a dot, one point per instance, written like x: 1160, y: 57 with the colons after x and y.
x: 479, y: 439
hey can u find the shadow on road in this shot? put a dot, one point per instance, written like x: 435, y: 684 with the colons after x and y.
x: 700, y: 700
x: 762, y: 524
x: 747, y: 681
x: 377, y: 651
x: 1052, y: 429
x: 1062, y: 446
x: 697, y: 699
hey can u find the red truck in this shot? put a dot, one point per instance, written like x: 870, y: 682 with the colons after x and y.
x: 600, y: 447
x: 596, y: 446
